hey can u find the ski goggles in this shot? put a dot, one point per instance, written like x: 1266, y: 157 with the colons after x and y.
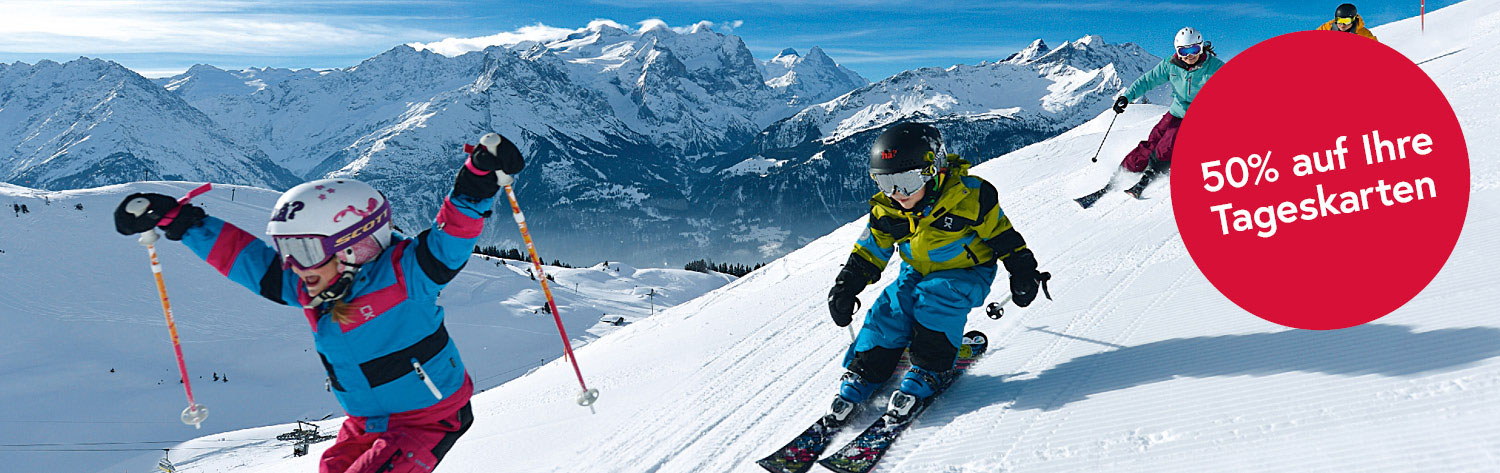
x: 1344, y: 20
x: 906, y: 183
x: 311, y: 251
x: 1190, y: 49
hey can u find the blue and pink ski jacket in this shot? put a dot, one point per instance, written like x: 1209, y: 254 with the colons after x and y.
x: 373, y: 361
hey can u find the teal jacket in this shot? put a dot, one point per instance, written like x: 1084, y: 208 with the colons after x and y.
x: 1186, y: 81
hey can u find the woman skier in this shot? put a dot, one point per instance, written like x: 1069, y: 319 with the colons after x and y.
x: 1192, y: 63
x: 950, y: 231
x: 369, y: 294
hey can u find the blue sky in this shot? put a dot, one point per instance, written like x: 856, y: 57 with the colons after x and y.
x: 876, y: 38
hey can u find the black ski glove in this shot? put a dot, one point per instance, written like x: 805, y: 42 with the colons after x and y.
x: 140, y: 212
x: 857, y: 274
x: 1024, y: 278
x: 506, y: 159
x: 1120, y: 103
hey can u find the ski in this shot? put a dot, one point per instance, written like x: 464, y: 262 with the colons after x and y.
x: 798, y: 455
x: 1088, y: 200
x: 861, y: 454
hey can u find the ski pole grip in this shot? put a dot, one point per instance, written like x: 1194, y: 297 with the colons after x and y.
x: 149, y: 238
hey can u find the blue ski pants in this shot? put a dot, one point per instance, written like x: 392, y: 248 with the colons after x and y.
x: 925, y: 314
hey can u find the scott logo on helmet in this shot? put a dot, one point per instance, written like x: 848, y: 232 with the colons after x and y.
x: 360, y: 231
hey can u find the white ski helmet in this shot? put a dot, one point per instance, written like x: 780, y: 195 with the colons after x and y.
x: 318, y: 220
x: 1187, y: 37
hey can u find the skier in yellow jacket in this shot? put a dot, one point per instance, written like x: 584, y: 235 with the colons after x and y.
x: 1346, y: 18
x: 950, y: 232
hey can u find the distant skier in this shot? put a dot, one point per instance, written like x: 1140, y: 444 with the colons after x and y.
x: 1192, y: 63
x: 950, y: 231
x: 1346, y: 18
x: 370, y: 296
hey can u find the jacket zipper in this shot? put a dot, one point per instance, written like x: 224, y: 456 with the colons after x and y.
x: 425, y: 379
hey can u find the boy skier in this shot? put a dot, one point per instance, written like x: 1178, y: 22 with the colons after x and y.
x: 1346, y: 18
x: 950, y: 231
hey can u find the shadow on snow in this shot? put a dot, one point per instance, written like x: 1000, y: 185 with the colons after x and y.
x: 1386, y: 350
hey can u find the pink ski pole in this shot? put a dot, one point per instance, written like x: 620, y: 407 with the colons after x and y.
x: 195, y: 413
x: 588, y: 396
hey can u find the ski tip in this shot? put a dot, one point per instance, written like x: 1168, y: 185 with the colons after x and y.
x: 975, y: 337
x: 774, y: 466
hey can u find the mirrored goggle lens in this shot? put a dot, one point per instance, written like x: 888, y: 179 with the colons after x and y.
x: 1189, y: 50
x: 906, y: 183
x: 1344, y: 21
x: 302, y: 252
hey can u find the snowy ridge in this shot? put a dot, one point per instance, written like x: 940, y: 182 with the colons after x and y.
x: 982, y: 110
x: 1138, y: 365
x: 89, y: 122
x: 203, y: 80
x: 815, y: 78
x: 1052, y: 84
x: 78, y: 300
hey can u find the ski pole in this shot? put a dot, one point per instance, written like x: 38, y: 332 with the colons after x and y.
x: 1106, y: 138
x: 588, y: 396
x: 852, y: 336
x: 195, y: 413
x: 996, y: 310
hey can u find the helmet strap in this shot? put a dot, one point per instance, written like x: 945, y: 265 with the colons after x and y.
x: 340, y: 287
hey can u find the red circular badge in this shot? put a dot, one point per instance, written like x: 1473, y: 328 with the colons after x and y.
x: 1320, y: 180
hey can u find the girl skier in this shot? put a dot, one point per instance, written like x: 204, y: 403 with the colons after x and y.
x: 369, y: 294
x: 1192, y: 63
x: 950, y: 231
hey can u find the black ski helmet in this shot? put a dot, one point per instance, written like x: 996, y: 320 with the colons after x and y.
x: 907, y: 146
x: 1345, y: 11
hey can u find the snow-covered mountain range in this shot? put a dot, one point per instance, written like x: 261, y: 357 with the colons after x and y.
x: 653, y: 144
x: 90, y: 122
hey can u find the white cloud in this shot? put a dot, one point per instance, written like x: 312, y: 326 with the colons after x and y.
x: 224, y: 27
x: 542, y: 33
x: 455, y: 46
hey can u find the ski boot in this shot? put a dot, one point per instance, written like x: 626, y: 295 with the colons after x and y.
x: 918, y: 384
x: 1153, y: 170
x: 853, y: 389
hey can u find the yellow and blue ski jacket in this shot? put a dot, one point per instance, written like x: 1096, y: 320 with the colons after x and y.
x: 962, y: 226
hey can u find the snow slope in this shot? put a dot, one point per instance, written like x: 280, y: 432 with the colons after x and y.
x: 1138, y: 365
x: 77, y: 300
